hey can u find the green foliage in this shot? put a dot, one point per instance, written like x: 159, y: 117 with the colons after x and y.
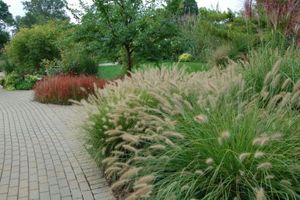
x: 159, y: 39
x: 182, y: 7
x: 202, y: 36
x: 75, y: 61
x: 4, y: 38
x: 40, y: 12
x: 6, y: 19
x: 30, y: 46
x: 52, y: 67
x: 5, y: 65
x: 190, y: 7
x: 14, y: 81
x: 262, y: 60
x: 134, y: 30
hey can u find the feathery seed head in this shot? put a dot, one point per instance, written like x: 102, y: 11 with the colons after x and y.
x: 129, y: 173
x: 130, y: 138
x: 268, y: 78
x: 129, y: 148
x: 286, y: 182
x: 244, y: 156
x: 260, y: 194
x: 144, y: 191
x: 286, y: 84
x: 276, y: 136
x: 242, y: 173
x: 118, y: 184
x: 105, y: 127
x: 264, y: 166
x: 201, y: 119
x: 158, y: 147
x: 199, y: 172
x: 184, y: 188
x: 145, y: 179
x: 269, y: 177
x: 275, y: 82
x: 260, y: 141
x: 209, y: 161
x: 297, y: 86
x: 259, y: 154
x: 173, y: 134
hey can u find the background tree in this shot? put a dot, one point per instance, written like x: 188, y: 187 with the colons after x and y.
x: 123, y: 21
x: 41, y: 11
x: 182, y: 7
x: 190, y: 7
x: 6, y: 19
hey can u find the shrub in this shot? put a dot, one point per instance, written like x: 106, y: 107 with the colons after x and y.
x: 60, y: 89
x: 10, y: 80
x: 27, y: 82
x: 5, y: 65
x: 30, y: 46
x: 52, y: 67
x: 14, y: 81
x: 168, y: 134
x: 76, y: 61
x: 185, y: 57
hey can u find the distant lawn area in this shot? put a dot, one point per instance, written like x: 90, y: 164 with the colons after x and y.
x: 110, y: 72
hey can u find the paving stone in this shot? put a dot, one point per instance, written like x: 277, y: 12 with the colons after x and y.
x: 41, y: 156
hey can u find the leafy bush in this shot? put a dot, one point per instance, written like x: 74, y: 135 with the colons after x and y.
x: 75, y: 61
x: 185, y: 57
x: 5, y: 65
x: 30, y: 46
x: 166, y: 134
x: 14, y: 81
x: 52, y: 67
x: 60, y: 89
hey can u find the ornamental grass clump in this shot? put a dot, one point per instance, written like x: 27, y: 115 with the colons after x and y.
x: 165, y: 134
x: 61, y: 89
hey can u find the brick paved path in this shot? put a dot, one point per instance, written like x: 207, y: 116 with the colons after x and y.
x: 41, y: 156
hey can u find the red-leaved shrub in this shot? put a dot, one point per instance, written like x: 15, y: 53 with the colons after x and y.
x: 60, y: 89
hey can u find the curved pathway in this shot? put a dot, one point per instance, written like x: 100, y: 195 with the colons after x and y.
x: 41, y: 156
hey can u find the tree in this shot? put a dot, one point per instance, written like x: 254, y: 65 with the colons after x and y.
x: 190, y: 7
x: 6, y: 19
x: 182, y: 7
x: 41, y: 11
x: 122, y: 20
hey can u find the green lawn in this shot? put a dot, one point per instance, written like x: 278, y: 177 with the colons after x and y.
x: 110, y: 72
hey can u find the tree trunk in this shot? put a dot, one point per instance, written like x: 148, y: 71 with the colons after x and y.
x: 129, y: 60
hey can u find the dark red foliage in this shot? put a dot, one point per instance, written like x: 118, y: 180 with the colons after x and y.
x: 281, y: 13
x: 248, y: 8
x: 60, y: 89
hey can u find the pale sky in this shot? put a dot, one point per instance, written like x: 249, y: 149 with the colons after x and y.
x: 16, y: 7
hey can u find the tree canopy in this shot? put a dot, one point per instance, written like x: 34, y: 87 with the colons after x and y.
x: 6, y: 19
x: 41, y: 11
x: 122, y: 20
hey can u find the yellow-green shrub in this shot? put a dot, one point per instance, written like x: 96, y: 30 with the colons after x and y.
x: 185, y: 57
x: 30, y: 46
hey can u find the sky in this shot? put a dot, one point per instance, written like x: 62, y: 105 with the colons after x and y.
x: 16, y: 7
